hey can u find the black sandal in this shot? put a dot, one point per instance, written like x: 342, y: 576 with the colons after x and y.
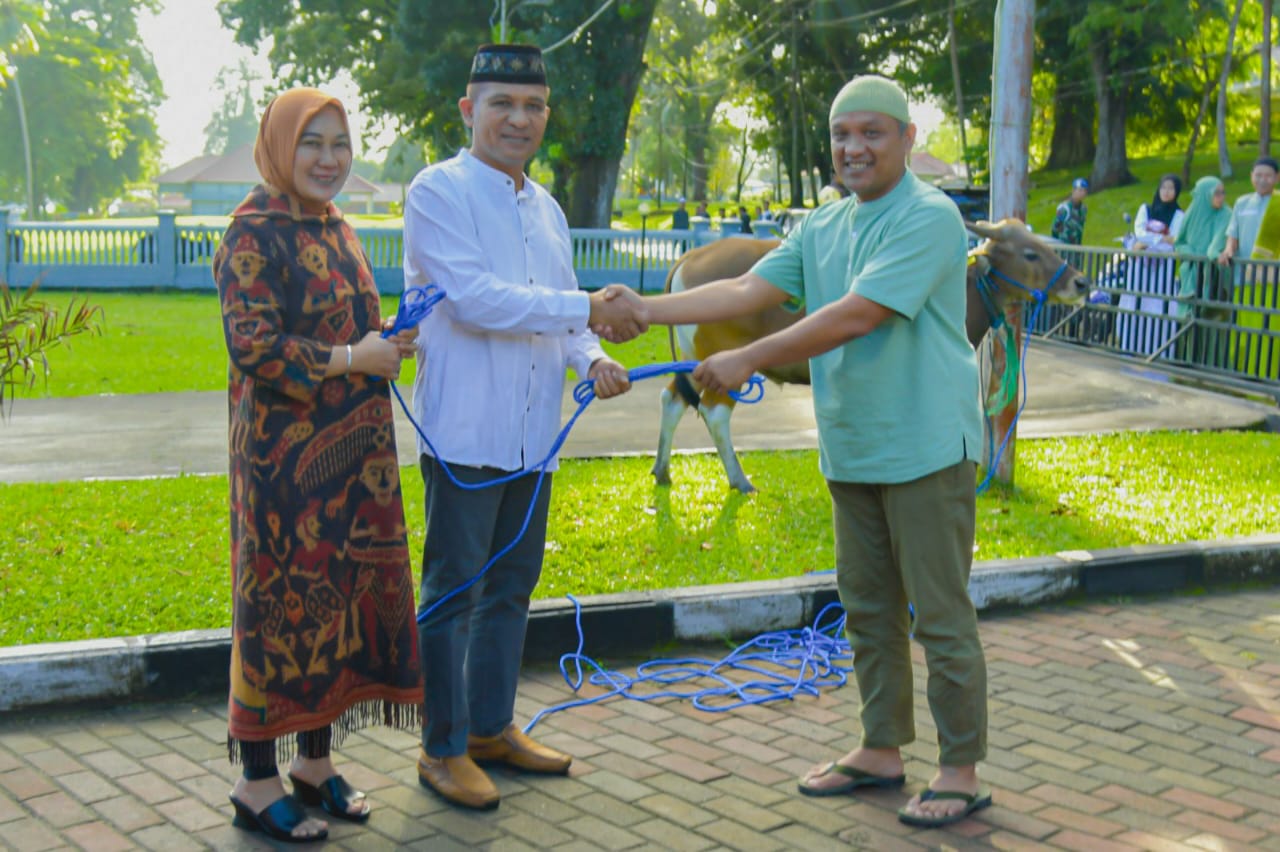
x: 277, y: 820
x: 334, y: 794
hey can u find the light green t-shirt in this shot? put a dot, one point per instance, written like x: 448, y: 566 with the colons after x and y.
x: 1246, y: 217
x: 901, y: 402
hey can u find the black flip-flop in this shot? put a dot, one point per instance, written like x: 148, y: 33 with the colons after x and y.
x: 975, y: 802
x: 854, y: 778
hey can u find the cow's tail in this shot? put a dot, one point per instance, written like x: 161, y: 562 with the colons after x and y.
x: 679, y: 337
x: 673, y: 286
x: 680, y: 381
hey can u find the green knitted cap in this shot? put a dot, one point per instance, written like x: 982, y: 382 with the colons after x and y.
x: 872, y: 94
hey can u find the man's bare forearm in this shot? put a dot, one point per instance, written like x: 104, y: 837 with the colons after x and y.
x: 716, y: 301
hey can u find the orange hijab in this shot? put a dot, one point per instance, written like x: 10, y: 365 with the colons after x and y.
x: 282, y: 124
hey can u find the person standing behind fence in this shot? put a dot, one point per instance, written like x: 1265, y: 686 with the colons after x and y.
x: 1141, y: 326
x: 322, y: 625
x: 1159, y: 221
x: 491, y: 371
x: 1246, y: 214
x: 1203, y: 229
x: 680, y: 218
x: 1068, y: 221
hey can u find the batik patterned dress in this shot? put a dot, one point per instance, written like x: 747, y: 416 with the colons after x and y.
x: 323, y: 628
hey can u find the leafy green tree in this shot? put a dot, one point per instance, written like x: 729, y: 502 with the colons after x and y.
x: 90, y: 97
x: 405, y: 158
x: 235, y: 121
x: 411, y: 61
x: 682, y: 90
x: 21, y: 28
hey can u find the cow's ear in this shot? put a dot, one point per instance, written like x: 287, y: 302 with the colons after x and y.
x: 984, y: 229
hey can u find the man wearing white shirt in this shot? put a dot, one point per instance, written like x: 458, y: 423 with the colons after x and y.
x: 491, y: 366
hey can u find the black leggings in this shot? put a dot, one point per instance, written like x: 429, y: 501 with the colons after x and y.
x: 259, y: 758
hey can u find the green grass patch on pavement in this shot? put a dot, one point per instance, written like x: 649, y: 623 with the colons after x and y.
x: 85, y: 560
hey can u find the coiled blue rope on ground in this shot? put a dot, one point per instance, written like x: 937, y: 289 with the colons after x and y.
x: 774, y: 666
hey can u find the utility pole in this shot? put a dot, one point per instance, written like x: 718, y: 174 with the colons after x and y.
x: 1264, y: 139
x: 1010, y: 135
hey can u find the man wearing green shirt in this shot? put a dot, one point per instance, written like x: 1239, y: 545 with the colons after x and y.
x: 881, y: 276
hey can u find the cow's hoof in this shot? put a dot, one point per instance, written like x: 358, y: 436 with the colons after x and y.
x: 661, y: 477
x: 744, y: 487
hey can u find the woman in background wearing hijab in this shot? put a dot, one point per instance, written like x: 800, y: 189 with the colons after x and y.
x: 1159, y: 222
x: 1152, y: 281
x: 1203, y: 234
x: 323, y: 637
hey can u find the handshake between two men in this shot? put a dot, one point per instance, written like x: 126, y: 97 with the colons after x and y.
x: 618, y: 313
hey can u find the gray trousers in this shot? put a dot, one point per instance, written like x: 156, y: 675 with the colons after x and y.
x: 913, y: 542
x: 471, y: 645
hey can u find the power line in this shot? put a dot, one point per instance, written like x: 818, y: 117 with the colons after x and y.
x: 577, y: 31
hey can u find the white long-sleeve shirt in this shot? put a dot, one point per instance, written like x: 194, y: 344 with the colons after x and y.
x: 492, y: 355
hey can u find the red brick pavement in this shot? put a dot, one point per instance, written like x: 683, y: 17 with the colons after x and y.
x: 1127, y: 725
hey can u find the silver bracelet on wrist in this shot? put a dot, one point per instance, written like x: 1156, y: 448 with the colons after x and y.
x: 348, y: 357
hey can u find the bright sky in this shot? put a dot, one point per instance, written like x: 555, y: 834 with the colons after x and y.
x: 190, y: 46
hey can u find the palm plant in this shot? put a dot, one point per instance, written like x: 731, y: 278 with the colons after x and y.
x: 29, y: 328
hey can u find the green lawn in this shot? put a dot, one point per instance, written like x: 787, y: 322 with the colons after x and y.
x: 96, y: 559
x: 164, y: 342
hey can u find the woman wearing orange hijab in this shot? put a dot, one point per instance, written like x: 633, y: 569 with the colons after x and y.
x: 323, y: 633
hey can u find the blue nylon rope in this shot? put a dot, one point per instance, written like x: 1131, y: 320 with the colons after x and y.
x: 778, y: 665
x: 415, y: 304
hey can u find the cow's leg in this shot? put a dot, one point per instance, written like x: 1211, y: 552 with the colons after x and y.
x: 716, y: 416
x: 673, y: 407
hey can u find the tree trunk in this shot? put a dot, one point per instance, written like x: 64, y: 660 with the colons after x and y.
x: 697, y: 139
x: 561, y: 173
x: 1072, y: 142
x: 1224, y: 157
x: 744, y: 166
x: 1195, y: 130
x: 591, y: 193
x: 1111, y: 159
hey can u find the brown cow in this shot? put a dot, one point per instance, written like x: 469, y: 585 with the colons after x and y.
x: 1013, y: 252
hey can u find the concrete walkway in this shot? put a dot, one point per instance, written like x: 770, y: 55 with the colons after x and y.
x: 1117, y: 723
x: 1114, y: 726
x: 1072, y: 392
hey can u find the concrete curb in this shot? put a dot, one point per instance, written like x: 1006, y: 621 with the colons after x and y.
x: 174, y: 664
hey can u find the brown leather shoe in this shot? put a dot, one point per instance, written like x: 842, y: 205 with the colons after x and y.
x: 515, y: 748
x: 458, y: 780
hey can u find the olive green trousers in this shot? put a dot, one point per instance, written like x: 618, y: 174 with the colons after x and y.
x: 913, y: 542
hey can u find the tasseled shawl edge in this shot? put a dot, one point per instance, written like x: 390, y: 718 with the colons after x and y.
x: 390, y: 714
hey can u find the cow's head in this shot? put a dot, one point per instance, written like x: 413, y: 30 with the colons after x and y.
x: 1020, y: 256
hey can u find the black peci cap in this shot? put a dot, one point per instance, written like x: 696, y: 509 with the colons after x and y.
x: 508, y: 63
